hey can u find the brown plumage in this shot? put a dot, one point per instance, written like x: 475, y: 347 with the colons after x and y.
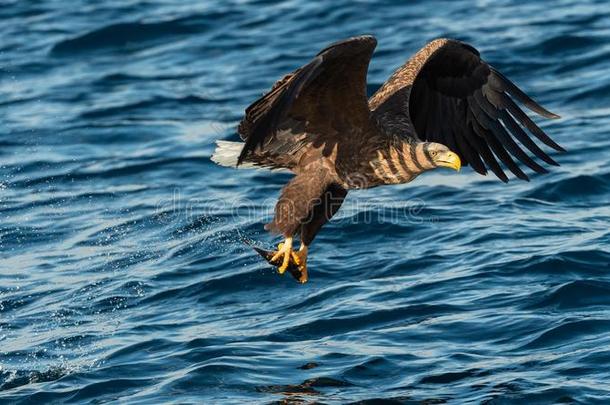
x: 444, y: 106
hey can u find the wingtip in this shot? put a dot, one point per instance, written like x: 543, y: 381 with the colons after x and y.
x: 537, y: 108
x: 540, y: 110
x: 549, y: 160
x: 503, y: 178
x: 516, y: 92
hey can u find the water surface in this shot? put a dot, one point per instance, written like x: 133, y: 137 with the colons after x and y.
x: 122, y: 271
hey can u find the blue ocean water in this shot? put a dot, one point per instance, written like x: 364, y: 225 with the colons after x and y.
x: 123, y: 275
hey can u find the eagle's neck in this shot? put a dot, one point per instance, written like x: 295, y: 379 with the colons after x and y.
x: 400, y: 162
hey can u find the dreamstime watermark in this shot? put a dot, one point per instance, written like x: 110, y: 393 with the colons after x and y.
x: 243, y: 210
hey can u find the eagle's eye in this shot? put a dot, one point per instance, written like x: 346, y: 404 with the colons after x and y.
x: 433, y: 153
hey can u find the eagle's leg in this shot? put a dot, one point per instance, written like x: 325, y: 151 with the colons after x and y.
x: 307, y: 202
x: 300, y: 259
x: 284, y: 252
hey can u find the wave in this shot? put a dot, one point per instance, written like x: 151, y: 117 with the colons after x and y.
x: 156, y: 102
x: 581, y: 188
x: 112, y: 171
x: 569, y: 332
x: 319, y: 328
x: 583, y: 263
x: 566, y: 43
x: 576, y: 294
x: 10, y: 380
x: 127, y: 78
x: 127, y: 34
x: 116, y: 36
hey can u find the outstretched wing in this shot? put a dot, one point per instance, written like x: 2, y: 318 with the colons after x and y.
x: 446, y: 93
x: 325, y: 99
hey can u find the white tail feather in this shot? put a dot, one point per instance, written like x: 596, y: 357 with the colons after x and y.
x: 226, y: 153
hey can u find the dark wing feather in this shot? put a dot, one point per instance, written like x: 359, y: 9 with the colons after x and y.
x: 326, y: 97
x: 455, y: 98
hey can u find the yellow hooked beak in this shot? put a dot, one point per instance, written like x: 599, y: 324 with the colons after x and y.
x: 449, y: 159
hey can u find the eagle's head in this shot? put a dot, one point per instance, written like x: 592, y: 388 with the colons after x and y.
x: 441, y: 156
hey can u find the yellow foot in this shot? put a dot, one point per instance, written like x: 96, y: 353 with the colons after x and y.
x: 284, y: 252
x: 300, y: 259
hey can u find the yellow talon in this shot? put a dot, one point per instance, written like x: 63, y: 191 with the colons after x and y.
x: 283, y: 250
x: 295, y: 257
x: 285, y: 257
x: 300, y: 259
